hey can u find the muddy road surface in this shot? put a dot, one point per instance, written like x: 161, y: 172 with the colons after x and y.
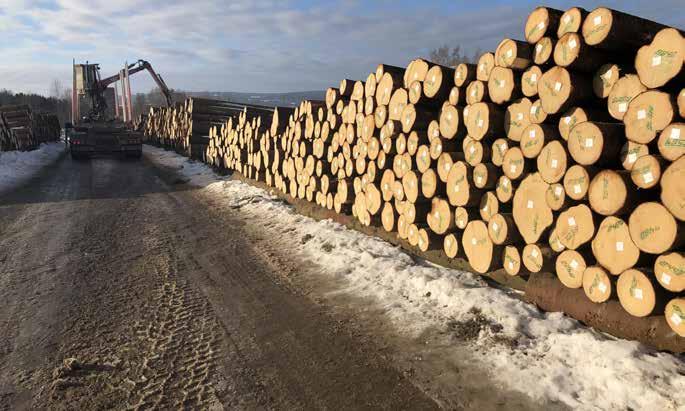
x: 122, y: 288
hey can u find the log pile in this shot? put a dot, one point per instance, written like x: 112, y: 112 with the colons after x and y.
x: 562, y: 152
x: 186, y: 126
x: 21, y: 129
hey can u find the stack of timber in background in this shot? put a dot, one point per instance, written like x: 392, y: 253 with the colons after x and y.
x: 186, y: 125
x: 559, y: 153
x: 21, y: 129
x: 19, y: 121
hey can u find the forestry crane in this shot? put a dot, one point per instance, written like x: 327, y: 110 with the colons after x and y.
x: 100, y: 129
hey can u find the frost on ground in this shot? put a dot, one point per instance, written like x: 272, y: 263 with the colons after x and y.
x: 547, y: 356
x: 16, y: 167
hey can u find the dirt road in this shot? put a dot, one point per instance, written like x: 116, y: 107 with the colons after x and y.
x: 120, y: 288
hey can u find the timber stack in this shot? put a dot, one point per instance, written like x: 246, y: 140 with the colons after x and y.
x: 21, y: 129
x: 561, y: 152
x: 186, y: 126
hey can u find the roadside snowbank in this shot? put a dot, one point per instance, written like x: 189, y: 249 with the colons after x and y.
x: 16, y: 167
x: 554, y: 358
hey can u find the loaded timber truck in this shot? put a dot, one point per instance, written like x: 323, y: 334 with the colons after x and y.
x: 101, y: 122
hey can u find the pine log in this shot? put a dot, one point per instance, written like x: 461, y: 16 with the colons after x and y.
x: 613, y: 30
x: 531, y: 212
x: 673, y: 188
x: 575, y: 226
x: 514, y: 54
x: 646, y: 171
x: 476, y: 92
x: 464, y: 74
x: 571, y: 21
x: 626, y: 88
x: 535, y: 136
x: 661, y: 62
x: 440, y: 218
x: 517, y: 118
x: 511, y: 260
x: 631, y: 152
x: 675, y: 315
x: 478, y: 247
x: 560, y: 89
x: 596, y: 143
x: 572, y: 52
x: 570, y: 266
x: 669, y: 270
x: 450, y: 124
x: 611, y: 193
x: 541, y: 21
x: 451, y: 245
x: 552, y: 162
x: 486, y: 62
x: 672, y: 141
x: 489, y: 206
x: 484, y: 120
x: 654, y: 230
x: 637, y: 293
x: 648, y: 113
x: 538, y: 258
x: 505, y: 189
x: 499, y: 149
x: 537, y: 114
x: 502, y: 230
x: 529, y: 81
x: 503, y: 85
x: 543, y: 51
x: 613, y: 247
x: 577, y: 181
x: 604, y: 79
x: 597, y: 284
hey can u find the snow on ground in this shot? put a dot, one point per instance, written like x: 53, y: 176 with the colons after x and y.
x: 556, y: 359
x: 16, y: 167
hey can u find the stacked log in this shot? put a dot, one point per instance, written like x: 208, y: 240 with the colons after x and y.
x: 186, y: 126
x: 21, y: 129
x: 561, y: 152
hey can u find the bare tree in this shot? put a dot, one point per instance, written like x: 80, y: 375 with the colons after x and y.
x: 56, y: 88
x: 450, y: 57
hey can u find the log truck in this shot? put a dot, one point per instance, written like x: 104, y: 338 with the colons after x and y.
x: 95, y: 127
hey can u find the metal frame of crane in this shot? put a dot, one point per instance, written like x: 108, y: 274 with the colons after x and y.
x: 87, y: 82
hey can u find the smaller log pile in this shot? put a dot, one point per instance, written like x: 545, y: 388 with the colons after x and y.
x: 18, y: 120
x: 561, y: 153
x: 46, y: 127
x: 186, y: 126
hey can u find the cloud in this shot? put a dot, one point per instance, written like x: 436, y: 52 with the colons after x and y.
x: 253, y: 45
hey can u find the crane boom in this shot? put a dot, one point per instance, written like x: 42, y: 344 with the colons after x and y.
x: 136, y: 67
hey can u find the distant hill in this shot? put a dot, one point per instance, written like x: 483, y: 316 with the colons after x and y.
x: 266, y: 99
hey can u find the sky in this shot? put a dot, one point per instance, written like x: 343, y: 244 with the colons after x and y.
x: 257, y: 45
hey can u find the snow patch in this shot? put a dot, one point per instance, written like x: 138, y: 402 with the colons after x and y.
x: 16, y: 167
x: 555, y: 358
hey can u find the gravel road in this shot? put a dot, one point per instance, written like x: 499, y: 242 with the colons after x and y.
x: 122, y: 288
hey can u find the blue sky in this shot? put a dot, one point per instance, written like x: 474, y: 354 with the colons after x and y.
x: 256, y: 45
